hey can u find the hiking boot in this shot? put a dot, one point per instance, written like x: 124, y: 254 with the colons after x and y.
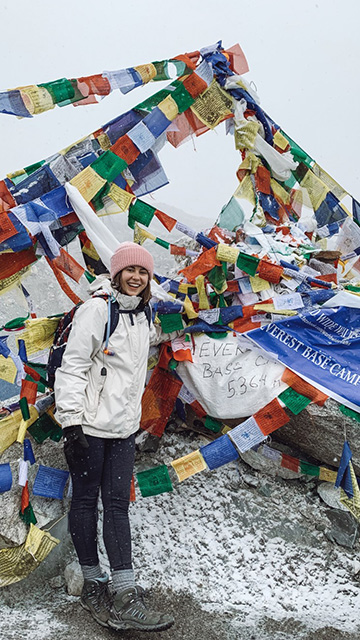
x: 129, y: 612
x: 96, y: 598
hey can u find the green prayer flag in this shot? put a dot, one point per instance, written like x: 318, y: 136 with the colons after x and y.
x: 45, y: 427
x: 41, y: 370
x: 59, y: 90
x: 231, y: 216
x: 217, y: 335
x: 247, y: 263
x: 171, y: 322
x: 33, y: 167
x: 90, y: 278
x: 97, y: 200
x: 17, y: 323
x: 162, y: 243
x: 349, y: 412
x: 309, y: 469
x: 172, y: 364
x: 28, y: 516
x: 109, y: 165
x: 140, y: 212
x: 212, y: 424
x: 73, y: 96
x: 153, y: 101
x: 154, y: 481
x: 182, y: 97
x: 217, y: 277
x: 297, y: 152
x: 23, y: 403
x: 161, y: 70
x: 293, y: 400
x: 352, y: 287
x: 180, y: 66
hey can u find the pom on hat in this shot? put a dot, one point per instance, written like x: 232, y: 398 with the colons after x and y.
x: 130, y: 254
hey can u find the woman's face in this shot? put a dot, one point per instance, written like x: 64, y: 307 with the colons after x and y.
x: 133, y: 280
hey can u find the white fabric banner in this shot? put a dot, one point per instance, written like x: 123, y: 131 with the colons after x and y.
x: 228, y: 379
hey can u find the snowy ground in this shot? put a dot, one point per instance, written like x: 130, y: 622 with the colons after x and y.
x: 231, y: 553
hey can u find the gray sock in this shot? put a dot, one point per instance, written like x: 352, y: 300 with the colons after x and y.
x: 91, y: 573
x: 123, y: 579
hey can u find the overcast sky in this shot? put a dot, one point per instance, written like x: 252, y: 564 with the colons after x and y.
x: 303, y: 58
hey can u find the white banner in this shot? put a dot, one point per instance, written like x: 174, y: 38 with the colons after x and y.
x: 230, y: 380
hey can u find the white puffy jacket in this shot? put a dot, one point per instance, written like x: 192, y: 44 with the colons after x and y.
x: 107, y: 406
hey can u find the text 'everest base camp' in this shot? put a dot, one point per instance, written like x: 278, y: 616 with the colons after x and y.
x: 261, y: 381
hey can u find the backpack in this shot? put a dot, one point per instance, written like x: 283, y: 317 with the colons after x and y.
x: 62, y: 332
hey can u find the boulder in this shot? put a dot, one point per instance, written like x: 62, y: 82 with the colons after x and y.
x: 318, y: 432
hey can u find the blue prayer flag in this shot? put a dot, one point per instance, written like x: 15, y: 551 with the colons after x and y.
x: 28, y: 451
x: 50, y: 482
x: 5, y: 477
x: 343, y: 478
x: 219, y: 452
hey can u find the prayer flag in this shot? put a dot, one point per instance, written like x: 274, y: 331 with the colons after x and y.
x: 293, y: 400
x: 271, y: 417
x: 188, y: 465
x: 154, y: 481
x: 219, y: 452
x: 5, y: 477
x: 247, y: 263
x: 246, y: 435
x: 50, y: 482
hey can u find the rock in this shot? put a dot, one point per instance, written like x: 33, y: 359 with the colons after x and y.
x: 73, y: 578
x: 319, y: 433
x: 56, y: 582
x: 330, y: 495
x: 344, y: 528
x: 265, y: 465
x: 250, y: 480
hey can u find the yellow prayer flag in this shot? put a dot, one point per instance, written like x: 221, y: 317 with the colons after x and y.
x: 279, y: 191
x: 250, y: 163
x: 334, y: 186
x: 188, y: 465
x: 39, y: 333
x: 16, y: 174
x: 7, y: 369
x: 146, y: 71
x: 169, y: 108
x: 245, y: 134
x: 226, y: 253
x: 258, y: 284
x: 184, y: 287
x: 121, y: 197
x: 88, y: 182
x: 25, y: 424
x: 189, y: 309
x: 268, y: 307
x: 17, y: 563
x: 36, y: 99
x: 9, y: 428
x: 203, y: 299
x: 104, y: 141
x: 280, y: 141
x: 327, y: 475
x: 246, y: 190
x: 353, y: 504
x: 316, y: 189
x: 213, y: 105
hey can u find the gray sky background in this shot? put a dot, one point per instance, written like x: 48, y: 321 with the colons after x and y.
x: 303, y: 58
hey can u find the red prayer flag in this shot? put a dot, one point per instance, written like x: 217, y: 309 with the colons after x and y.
x: 271, y: 417
x: 168, y: 222
x: 125, y: 149
x: 304, y: 388
x: 28, y: 391
x: 288, y: 462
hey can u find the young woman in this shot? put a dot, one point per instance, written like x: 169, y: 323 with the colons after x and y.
x: 98, y: 399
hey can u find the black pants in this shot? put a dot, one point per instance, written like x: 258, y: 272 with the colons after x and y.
x: 107, y: 465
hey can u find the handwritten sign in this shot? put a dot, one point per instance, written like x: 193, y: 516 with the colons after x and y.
x: 228, y: 379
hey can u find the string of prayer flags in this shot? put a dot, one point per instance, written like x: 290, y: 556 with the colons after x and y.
x: 219, y: 452
x: 188, y: 465
x: 17, y: 563
x: 50, y: 482
x: 154, y: 481
x: 26, y: 512
x: 293, y: 400
x: 5, y: 477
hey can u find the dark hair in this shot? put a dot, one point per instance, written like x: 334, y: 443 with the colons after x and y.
x: 145, y: 295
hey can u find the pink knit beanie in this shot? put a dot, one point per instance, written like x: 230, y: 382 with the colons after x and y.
x: 130, y: 254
